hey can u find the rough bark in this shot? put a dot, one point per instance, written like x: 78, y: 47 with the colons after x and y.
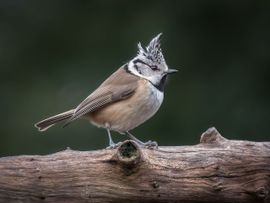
x: 216, y: 170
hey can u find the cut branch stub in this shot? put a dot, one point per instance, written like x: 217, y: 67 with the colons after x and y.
x: 263, y: 193
x: 212, y: 136
x: 128, y: 156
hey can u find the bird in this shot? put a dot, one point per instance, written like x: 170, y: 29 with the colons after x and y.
x: 126, y: 99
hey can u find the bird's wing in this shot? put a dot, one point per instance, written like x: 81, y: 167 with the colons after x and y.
x: 119, y: 86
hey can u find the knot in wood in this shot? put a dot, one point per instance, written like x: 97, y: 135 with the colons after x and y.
x: 262, y: 193
x: 129, y: 154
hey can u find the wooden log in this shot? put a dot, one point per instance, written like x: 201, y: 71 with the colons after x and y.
x: 216, y: 170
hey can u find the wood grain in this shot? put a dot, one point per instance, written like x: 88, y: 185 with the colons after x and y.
x: 216, y: 170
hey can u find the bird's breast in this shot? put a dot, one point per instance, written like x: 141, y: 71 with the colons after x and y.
x: 127, y: 114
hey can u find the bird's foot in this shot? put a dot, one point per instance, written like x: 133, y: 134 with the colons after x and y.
x: 150, y: 144
x: 113, y: 145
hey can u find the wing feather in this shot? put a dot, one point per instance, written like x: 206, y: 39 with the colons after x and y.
x: 115, y: 88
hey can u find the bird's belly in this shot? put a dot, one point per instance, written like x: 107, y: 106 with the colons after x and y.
x: 127, y: 114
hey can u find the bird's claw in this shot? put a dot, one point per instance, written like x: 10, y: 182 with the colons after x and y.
x: 151, y: 144
x: 113, y: 145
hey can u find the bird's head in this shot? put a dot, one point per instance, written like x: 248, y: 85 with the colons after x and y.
x: 150, y: 63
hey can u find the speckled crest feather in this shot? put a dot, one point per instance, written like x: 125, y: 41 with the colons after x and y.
x: 153, y: 50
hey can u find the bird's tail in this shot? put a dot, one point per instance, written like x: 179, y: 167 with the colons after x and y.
x: 49, y: 122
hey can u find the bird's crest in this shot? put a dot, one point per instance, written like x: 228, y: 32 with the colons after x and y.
x: 153, y: 50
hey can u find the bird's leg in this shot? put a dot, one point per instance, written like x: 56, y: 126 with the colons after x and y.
x: 112, y: 145
x: 150, y: 144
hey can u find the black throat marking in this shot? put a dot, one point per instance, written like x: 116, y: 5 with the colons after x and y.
x: 160, y: 85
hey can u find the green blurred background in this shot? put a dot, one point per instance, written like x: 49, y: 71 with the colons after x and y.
x: 54, y: 53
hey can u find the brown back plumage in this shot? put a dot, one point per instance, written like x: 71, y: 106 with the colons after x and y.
x: 120, y: 85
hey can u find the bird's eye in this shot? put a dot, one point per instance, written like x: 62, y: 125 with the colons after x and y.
x: 154, y: 68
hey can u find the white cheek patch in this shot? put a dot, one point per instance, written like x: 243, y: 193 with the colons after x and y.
x: 155, y: 79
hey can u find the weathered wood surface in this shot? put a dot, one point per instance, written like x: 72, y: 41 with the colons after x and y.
x: 216, y: 170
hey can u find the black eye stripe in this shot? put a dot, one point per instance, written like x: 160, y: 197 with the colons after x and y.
x: 154, y: 67
x: 140, y: 61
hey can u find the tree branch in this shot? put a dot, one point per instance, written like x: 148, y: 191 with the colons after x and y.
x: 216, y: 170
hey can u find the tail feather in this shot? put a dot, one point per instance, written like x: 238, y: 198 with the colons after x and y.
x: 49, y: 122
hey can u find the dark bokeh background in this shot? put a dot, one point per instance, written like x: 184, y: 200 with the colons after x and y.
x: 54, y: 53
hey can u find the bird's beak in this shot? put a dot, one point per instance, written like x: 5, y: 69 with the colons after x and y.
x: 170, y: 71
